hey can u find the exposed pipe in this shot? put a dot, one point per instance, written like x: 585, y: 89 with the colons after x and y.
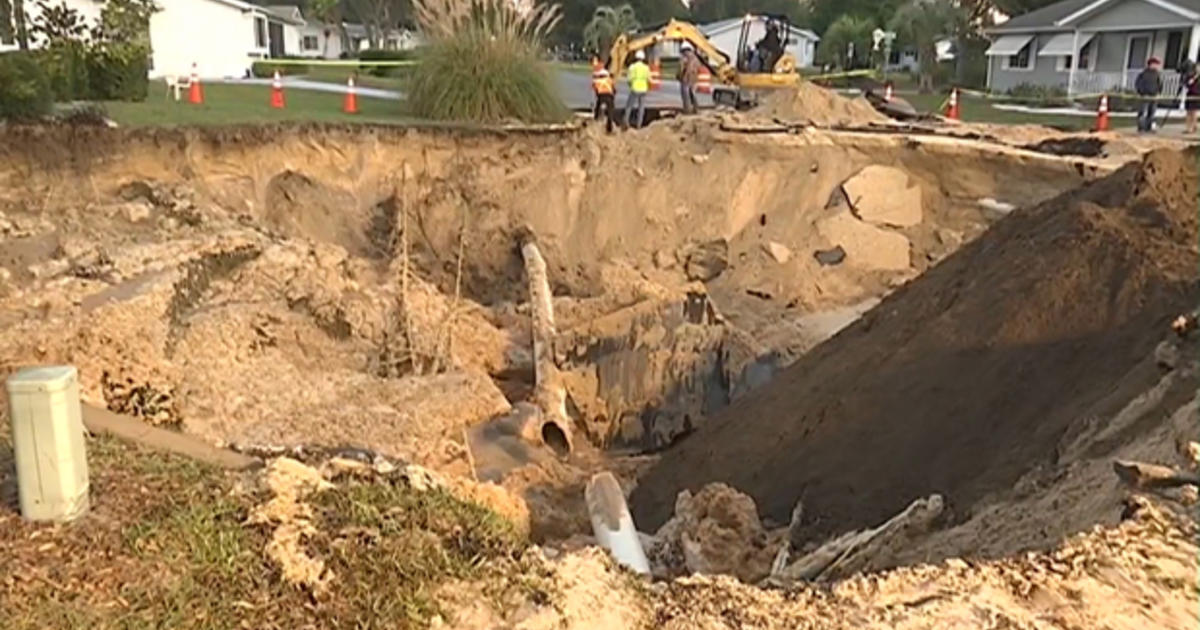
x: 549, y: 394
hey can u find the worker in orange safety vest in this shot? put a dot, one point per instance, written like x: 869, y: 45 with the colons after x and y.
x: 605, y: 90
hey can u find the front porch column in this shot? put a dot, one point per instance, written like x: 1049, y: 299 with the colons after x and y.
x: 1194, y: 45
x: 1074, y: 65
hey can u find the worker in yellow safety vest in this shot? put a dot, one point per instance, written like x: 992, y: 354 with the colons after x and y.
x: 605, y: 90
x: 639, y: 84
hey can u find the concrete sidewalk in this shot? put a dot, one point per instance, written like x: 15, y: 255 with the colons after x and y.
x: 98, y: 420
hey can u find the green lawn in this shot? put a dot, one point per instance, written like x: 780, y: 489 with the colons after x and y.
x: 231, y: 104
x: 976, y: 109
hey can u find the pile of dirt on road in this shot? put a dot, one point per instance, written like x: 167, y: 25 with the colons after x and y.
x: 820, y: 106
x: 972, y: 374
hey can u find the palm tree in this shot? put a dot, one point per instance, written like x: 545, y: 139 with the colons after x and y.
x: 924, y: 22
x: 606, y: 24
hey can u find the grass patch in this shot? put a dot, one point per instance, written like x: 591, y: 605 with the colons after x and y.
x: 166, y: 545
x: 980, y: 110
x: 226, y: 104
x: 389, y: 546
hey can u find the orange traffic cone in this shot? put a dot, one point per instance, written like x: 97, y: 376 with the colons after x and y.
x: 1102, y: 114
x: 195, y: 91
x: 704, y: 80
x: 277, y: 101
x: 655, y: 74
x: 350, y: 104
x: 952, y: 107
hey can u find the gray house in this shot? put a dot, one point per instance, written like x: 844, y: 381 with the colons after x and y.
x: 1093, y: 46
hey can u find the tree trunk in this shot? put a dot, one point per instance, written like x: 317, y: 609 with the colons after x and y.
x: 6, y: 27
x: 18, y: 12
x: 960, y: 60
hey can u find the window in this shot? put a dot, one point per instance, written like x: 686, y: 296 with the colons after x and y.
x: 1086, y: 59
x: 260, y: 32
x: 1175, y: 56
x: 1020, y: 61
x: 309, y: 42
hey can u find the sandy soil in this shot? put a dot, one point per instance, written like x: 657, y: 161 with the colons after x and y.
x: 249, y: 286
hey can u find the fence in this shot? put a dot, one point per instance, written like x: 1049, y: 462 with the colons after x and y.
x: 1119, y: 81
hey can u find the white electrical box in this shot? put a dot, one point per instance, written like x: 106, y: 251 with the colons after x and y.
x: 48, y: 442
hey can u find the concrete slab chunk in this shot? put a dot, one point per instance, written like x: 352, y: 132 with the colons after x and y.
x: 882, y: 195
x: 866, y: 246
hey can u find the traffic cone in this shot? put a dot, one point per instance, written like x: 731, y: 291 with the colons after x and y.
x: 704, y: 80
x: 655, y: 74
x: 195, y: 91
x: 1102, y: 114
x: 350, y: 104
x: 887, y: 93
x: 277, y: 101
x: 952, y: 107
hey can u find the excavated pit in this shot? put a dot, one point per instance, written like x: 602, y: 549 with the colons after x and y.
x: 256, y: 275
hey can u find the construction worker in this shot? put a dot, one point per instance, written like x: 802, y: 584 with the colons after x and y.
x: 688, y: 76
x: 605, y: 90
x: 639, y: 85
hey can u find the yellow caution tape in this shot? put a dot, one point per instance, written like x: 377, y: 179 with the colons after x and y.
x: 355, y: 63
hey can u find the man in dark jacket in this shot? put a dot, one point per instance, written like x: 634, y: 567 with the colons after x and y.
x: 1148, y: 86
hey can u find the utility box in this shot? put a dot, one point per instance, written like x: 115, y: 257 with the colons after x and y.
x: 48, y: 445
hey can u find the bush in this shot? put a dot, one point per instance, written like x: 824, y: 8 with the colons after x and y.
x: 66, y: 67
x: 24, y: 87
x: 378, y: 54
x: 1039, y: 95
x: 118, y: 73
x: 266, y: 69
x: 471, y: 77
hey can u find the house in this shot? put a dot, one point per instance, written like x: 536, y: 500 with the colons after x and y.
x: 904, y: 59
x: 222, y: 37
x: 321, y: 41
x: 802, y: 43
x: 283, y: 30
x: 1093, y: 46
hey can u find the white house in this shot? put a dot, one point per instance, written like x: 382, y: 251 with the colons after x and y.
x: 222, y: 37
x: 321, y: 41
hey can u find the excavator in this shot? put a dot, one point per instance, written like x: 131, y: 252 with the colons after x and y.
x: 737, y: 81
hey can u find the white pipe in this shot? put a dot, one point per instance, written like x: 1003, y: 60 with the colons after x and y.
x: 47, y: 429
x: 613, y: 524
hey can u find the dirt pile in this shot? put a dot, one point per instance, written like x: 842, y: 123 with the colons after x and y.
x: 817, y: 105
x: 969, y: 376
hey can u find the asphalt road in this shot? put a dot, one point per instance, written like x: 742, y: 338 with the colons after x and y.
x: 575, y: 89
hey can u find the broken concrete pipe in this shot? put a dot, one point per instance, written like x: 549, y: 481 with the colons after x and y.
x: 612, y: 523
x: 48, y: 446
x: 549, y: 392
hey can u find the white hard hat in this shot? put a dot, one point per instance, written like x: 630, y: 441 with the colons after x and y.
x: 639, y: 55
x: 686, y: 46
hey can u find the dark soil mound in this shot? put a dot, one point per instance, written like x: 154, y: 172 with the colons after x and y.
x: 1086, y: 147
x: 969, y: 376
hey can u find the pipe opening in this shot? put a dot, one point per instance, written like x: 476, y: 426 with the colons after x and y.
x: 554, y: 437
